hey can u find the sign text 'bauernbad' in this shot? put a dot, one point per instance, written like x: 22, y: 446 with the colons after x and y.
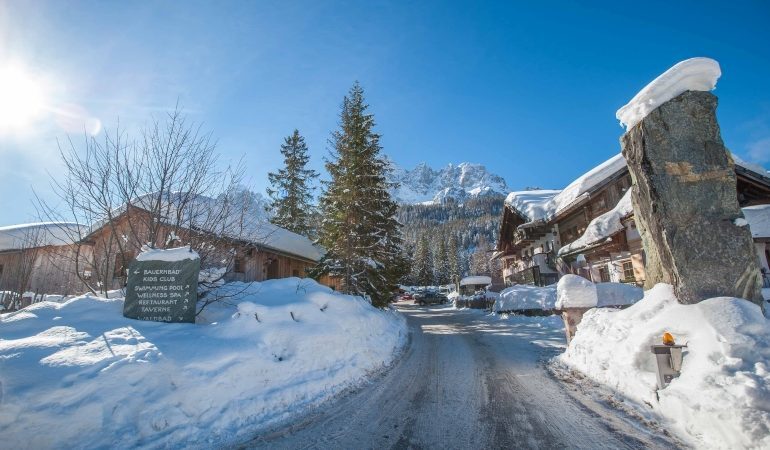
x: 163, y: 286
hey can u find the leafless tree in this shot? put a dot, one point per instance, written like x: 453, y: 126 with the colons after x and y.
x: 164, y: 189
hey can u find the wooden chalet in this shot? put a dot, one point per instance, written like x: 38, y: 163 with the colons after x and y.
x: 38, y: 259
x: 557, y: 232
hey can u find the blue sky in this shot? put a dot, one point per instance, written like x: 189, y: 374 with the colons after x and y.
x: 529, y: 89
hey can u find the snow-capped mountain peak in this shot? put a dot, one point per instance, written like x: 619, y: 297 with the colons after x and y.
x: 424, y: 184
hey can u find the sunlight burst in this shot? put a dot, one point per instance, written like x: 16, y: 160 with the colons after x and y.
x: 21, y: 98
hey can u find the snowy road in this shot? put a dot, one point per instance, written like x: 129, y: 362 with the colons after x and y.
x: 466, y: 380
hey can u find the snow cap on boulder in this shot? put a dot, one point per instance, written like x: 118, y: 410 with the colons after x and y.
x: 694, y: 74
x: 167, y: 254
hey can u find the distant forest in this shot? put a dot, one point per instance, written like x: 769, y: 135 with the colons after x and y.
x: 474, y: 223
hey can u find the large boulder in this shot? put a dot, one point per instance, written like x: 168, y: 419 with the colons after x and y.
x: 686, y: 205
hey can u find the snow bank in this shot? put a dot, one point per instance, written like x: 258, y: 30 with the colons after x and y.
x: 617, y: 294
x: 80, y: 375
x: 574, y: 291
x: 758, y: 219
x: 721, y: 399
x: 168, y: 254
x: 694, y: 74
x: 602, y: 227
x: 522, y: 297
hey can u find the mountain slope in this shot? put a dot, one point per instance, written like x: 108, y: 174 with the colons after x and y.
x: 464, y: 201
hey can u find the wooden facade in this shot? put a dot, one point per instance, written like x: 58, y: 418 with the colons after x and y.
x: 49, y: 269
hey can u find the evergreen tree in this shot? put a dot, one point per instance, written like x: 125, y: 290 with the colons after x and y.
x: 422, y: 264
x: 480, y: 258
x: 455, y: 271
x: 441, y: 262
x: 359, y: 229
x: 291, y: 192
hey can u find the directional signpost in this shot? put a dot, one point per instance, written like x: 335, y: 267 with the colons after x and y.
x: 162, y: 291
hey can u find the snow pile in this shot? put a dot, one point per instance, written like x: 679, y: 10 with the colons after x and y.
x: 103, y: 381
x: 602, y: 227
x: 694, y: 74
x: 167, y: 254
x: 521, y: 297
x: 617, y: 294
x: 574, y: 291
x: 758, y: 219
x: 721, y: 399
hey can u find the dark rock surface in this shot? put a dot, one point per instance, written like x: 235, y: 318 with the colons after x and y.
x: 685, y: 203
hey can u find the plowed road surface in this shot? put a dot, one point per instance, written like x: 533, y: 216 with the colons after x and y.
x: 468, y: 380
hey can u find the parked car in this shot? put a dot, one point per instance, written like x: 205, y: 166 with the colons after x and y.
x: 429, y: 298
x: 406, y: 296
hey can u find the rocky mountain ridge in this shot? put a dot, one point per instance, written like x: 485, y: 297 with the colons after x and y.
x: 458, y: 182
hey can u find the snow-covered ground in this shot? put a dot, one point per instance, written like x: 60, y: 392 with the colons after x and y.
x: 79, y: 375
x: 721, y: 399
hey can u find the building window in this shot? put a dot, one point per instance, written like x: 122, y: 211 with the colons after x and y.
x: 238, y: 265
x: 628, y: 272
x: 600, y: 205
x: 604, y: 275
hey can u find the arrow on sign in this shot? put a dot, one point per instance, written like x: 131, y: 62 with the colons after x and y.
x: 187, y: 287
x: 181, y: 318
x: 186, y: 300
x: 137, y: 271
x: 184, y: 308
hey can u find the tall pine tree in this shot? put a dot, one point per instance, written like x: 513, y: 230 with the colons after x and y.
x: 291, y: 191
x: 453, y: 254
x: 441, y: 262
x: 359, y: 229
x: 422, y: 265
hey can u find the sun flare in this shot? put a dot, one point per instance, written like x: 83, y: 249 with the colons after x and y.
x: 21, y: 98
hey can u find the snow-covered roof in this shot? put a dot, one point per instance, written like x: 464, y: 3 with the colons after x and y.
x: 602, y: 227
x: 39, y: 234
x: 758, y: 218
x: 756, y: 168
x: 249, y: 224
x: 474, y: 280
x: 531, y: 204
x: 694, y: 74
x: 283, y: 240
x: 544, y: 205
